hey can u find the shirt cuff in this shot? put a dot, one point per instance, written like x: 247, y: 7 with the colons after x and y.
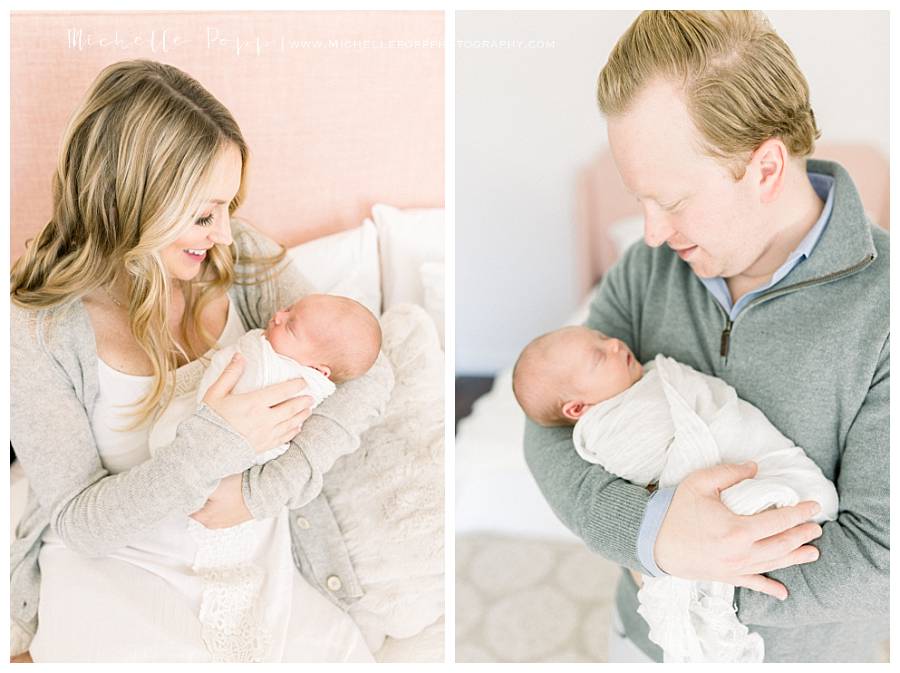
x: 654, y: 514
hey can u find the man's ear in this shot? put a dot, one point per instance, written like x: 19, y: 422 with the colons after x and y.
x: 325, y: 369
x: 771, y: 161
x: 574, y: 410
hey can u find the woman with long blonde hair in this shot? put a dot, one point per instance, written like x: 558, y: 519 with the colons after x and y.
x: 116, y: 304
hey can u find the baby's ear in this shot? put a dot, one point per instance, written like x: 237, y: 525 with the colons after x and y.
x: 574, y: 410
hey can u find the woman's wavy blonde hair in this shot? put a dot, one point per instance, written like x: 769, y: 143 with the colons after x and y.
x: 741, y: 82
x: 133, y: 172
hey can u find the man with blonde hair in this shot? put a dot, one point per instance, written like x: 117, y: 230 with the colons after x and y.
x: 760, y: 267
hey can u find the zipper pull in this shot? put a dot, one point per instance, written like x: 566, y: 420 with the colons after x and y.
x: 726, y: 334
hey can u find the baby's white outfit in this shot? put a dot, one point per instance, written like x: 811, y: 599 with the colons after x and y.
x: 142, y: 602
x: 232, y: 601
x: 676, y: 420
x: 263, y: 367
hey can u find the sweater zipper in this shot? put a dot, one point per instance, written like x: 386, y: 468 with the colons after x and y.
x: 726, y: 335
x: 729, y: 323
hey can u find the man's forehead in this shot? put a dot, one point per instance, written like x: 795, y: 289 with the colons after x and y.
x: 650, y: 182
x: 663, y: 195
x: 654, y: 143
x: 652, y: 169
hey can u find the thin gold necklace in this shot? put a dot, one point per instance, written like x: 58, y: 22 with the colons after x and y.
x: 114, y: 300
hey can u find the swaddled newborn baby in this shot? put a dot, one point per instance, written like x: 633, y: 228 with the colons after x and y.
x: 657, y: 423
x: 323, y: 339
x: 246, y: 587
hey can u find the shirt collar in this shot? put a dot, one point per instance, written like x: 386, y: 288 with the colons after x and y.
x: 824, y: 188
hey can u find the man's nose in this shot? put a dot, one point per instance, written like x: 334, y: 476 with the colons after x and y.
x: 657, y: 230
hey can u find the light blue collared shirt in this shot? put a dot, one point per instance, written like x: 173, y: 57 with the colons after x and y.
x: 659, y: 502
x: 824, y: 186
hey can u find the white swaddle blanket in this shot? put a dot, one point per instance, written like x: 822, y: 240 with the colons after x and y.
x: 232, y: 606
x: 265, y: 367
x: 676, y: 420
x: 262, y: 367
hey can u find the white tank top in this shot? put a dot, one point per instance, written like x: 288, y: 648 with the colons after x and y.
x: 119, y: 450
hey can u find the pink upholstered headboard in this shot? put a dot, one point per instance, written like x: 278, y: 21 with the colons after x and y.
x: 341, y: 110
x: 602, y: 200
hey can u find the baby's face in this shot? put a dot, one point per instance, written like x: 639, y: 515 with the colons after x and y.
x: 293, y: 333
x: 599, y: 367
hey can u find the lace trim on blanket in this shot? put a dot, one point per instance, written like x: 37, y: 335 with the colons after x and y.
x: 230, y: 606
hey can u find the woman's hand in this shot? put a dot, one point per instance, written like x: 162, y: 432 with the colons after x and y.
x: 266, y: 417
x: 225, y: 507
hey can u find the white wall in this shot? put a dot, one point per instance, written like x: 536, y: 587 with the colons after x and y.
x: 527, y: 121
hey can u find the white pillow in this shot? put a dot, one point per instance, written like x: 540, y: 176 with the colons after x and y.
x: 432, y: 274
x: 345, y: 263
x: 407, y: 239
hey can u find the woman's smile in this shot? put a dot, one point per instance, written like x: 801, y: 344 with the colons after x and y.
x: 196, y: 255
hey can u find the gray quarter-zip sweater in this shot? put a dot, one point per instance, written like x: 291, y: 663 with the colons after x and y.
x: 813, y: 354
x: 53, y: 387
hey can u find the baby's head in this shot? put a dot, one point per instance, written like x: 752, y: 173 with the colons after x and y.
x: 336, y: 335
x: 562, y: 374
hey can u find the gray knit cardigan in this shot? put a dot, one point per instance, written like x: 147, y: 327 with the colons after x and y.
x: 53, y: 388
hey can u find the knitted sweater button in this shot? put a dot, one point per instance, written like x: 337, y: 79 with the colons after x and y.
x: 303, y: 522
x: 334, y: 583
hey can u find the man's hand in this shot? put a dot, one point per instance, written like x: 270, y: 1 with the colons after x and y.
x: 225, y: 507
x: 700, y: 538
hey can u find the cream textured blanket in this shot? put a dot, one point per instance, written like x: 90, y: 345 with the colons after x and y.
x: 388, y: 497
x: 676, y: 420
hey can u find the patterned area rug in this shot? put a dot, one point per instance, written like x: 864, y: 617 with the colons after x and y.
x: 519, y: 599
